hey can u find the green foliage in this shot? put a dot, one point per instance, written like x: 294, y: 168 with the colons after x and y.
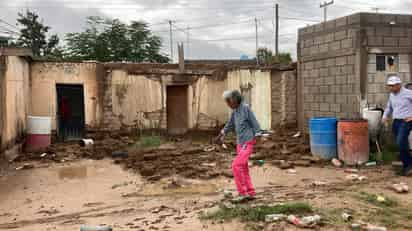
x: 373, y: 199
x: 149, y: 141
x: 266, y: 57
x: 33, y: 35
x: 258, y: 213
x: 112, y: 40
x: 284, y: 58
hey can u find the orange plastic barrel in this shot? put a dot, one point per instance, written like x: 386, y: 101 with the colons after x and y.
x: 353, y: 141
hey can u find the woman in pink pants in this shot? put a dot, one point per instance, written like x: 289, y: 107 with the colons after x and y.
x: 246, y: 127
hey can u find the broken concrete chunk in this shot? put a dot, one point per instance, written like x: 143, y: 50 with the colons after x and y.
x: 319, y: 183
x: 291, y: 171
x: 302, y: 163
x: 400, y: 188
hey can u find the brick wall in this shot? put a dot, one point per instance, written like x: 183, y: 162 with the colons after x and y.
x: 377, y: 90
x: 288, y: 98
x: 276, y: 98
x: 385, y: 38
x: 283, y: 85
x: 327, y: 56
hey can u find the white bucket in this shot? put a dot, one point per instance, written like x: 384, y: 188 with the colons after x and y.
x: 39, y: 125
x: 374, y: 121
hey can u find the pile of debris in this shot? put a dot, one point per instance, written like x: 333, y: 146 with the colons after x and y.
x: 184, y: 157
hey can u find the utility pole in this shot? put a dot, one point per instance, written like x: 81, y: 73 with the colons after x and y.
x: 187, y: 41
x: 171, y: 40
x: 325, y: 9
x: 376, y: 9
x: 277, y: 29
x: 257, y: 40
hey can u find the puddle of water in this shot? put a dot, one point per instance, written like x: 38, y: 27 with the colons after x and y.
x: 73, y: 172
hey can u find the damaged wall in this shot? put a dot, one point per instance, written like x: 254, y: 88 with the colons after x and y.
x: 45, y: 76
x: 134, y: 99
x: 135, y: 96
x: 255, y: 86
x: 140, y: 100
x: 15, y: 97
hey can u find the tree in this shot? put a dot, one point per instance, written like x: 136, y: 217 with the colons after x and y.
x: 266, y: 57
x: 112, y: 40
x: 33, y: 35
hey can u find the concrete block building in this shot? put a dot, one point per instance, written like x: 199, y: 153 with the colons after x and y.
x: 346, y: 60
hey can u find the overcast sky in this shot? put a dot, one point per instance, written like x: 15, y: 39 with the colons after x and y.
x: 217, y: 28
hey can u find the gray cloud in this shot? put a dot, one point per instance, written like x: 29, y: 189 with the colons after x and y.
x: 220, y: 28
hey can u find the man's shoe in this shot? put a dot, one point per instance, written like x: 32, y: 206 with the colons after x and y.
x: 407, y: 171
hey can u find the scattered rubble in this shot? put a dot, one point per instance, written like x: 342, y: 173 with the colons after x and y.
x: 356, y: 177
x: 25, y: 166
x: 304, y: 222
x: 275, y: 217
x: 400, y: 187
x: 337, y: 163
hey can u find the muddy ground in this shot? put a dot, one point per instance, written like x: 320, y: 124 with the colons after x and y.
x: 169, y: 187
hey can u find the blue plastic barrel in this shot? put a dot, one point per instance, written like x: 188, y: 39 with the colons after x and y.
x: 323, y: 137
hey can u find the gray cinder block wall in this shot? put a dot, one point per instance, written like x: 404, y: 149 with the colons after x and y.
x: 337, y: 63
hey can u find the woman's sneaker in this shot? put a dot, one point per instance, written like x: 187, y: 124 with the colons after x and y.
x: 240, y: 199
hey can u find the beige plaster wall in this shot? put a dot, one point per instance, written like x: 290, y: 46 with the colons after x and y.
x: 45, y: 76
x: 15, y: 97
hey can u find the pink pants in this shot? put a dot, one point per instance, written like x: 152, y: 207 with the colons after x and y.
x: 240, y: 169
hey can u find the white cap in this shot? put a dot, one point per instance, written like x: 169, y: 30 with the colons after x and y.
x: 227, y: 94
x: 393, y: 80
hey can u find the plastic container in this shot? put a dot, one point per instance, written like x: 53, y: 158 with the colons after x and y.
x: 322, y: 132
x: 374, y: 118
x: 353, y: 141
x: 38, y: 133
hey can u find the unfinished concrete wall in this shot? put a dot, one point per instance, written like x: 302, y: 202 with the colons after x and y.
x: 45, y: 76
x: 15, y: 97
x: 328, y: 68
x: 288, y: 98
x: 257, y: 83
x: 284, y: 100
x: 387, y: 34
x: 337, y: 62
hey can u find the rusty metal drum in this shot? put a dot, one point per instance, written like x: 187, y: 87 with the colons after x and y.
x: 353, y: 141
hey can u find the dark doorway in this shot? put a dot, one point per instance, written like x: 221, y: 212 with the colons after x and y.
x: 177, y: 109
x: 70, y: 112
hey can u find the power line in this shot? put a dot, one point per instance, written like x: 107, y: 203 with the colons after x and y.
x: 8, y: 30
x: 298, y: 19
x: 9, y: 24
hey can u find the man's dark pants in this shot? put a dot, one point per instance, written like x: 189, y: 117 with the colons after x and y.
x: 401, y: 130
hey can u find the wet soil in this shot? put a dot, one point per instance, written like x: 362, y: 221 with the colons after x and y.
x: 191, y: 156
x: 64, y: 196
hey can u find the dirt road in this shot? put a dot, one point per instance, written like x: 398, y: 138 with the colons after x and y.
x: 64, y: 196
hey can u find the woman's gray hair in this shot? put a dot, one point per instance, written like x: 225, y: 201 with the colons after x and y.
x: 233, y: 95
